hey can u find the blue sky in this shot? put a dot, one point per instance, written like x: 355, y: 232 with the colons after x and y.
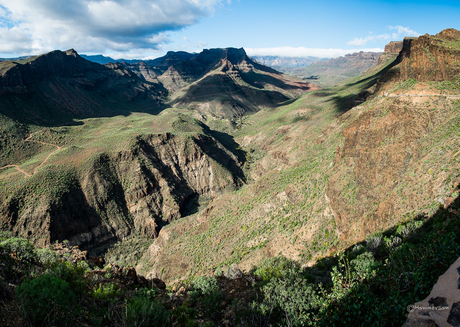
x: 150, y: 28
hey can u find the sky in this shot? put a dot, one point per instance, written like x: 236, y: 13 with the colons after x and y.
x: 147, y: 29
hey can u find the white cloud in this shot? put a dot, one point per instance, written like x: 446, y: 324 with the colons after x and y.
x: 403, y: 31
x: 359, y: 42
x: 36, y: 26
x: 304, y: 52
x: 399, y: 34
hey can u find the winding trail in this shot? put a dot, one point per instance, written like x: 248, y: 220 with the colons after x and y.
x: 26, y: 174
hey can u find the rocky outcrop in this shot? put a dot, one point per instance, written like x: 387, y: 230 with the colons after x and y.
x: 394, y: 47
x: 442, y: 307
x: 431, y: 58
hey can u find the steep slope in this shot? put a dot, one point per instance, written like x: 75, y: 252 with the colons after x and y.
x: 399, y: 156
x: 329, y: 170
x: 57, y: 87
x: 227, y: 83
x: 110, y: 177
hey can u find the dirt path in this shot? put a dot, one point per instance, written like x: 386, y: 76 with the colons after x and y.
x: 26, y: 174
x: 420, y: 95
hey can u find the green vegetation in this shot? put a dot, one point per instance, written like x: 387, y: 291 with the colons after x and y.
x: 20, y: 246
x: 370, y: 283
x: 306, y: 180
x: 47, y: 301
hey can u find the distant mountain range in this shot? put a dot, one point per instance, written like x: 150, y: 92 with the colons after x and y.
x: 282, y: 63
x: 59, y: 86
x: 323, y: 71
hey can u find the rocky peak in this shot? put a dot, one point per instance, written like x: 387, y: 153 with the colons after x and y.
x: 72, y: 52
x: 394, y: 47
x: 449, y: 33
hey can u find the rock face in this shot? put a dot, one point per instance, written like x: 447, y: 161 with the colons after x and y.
x: 442, y: 307
x: 432, y: 58
x: 391, y: 49
x: 140, y: 189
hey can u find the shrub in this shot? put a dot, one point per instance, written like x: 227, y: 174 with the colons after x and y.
x: 292, y: 297
x: 407, y: 229
x: 373, y: 242
x: 5, y: 234
x: 142, y: 311
x: 72, y: 274
x: 22, y: 247
x: 206, y: 288
x: 47, y: 300
x: 108, y: 292
x: 275, y: 268
x: 185, y: 316
x: 205, y: 285
x: 46, y: 256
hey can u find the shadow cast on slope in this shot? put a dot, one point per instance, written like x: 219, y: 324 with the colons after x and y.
x: 343, y: 103
x: 223, y: 91
x: 401, y: 275
x: 57, y: 100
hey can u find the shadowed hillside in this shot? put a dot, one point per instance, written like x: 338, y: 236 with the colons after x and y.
x: 58, y: 87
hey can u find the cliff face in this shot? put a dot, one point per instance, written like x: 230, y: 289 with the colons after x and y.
x: 391, y: 49
x: 432, y: 58
x: 108, y: 196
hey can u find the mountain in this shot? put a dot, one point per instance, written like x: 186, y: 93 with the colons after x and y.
x: 150, y: 69
x: 167, y: 60
x: 57, y: 87
x: 100, y: 59
x: 226, y: 82
x: 282, y: 63
x: 332, y: 168
x: 90, y: 174
x: 219, y: 82
x: 337, y: 207
x: 330, y: 72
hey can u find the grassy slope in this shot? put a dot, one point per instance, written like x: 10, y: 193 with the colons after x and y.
x: 292, y: 158
x: 290, y: 153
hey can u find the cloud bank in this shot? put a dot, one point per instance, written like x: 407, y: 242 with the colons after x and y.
x: 37, y: 26
x: 399, y: 33
x: 302, y: 52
